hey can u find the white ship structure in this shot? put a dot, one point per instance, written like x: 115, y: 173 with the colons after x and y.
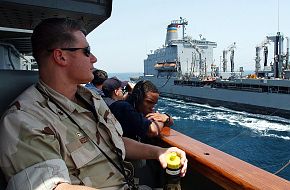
x: 184, y: 69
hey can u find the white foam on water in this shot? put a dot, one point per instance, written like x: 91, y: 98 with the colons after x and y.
x: 160, y: 110
x: 182, y: 106
x: 176, y: 118
x: 260, y: 124
x: 254, y: 123
x: 277, y: 136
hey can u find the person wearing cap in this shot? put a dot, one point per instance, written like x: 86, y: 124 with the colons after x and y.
x: 113, y: 90
x: 96, y: 84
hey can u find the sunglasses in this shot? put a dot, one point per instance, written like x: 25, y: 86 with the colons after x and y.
x: 86, y: 50
x: 124, y: 90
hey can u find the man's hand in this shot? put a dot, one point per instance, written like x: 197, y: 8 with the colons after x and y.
x: 157, y: 117
x: 136, y: 150
x: 180, y: 153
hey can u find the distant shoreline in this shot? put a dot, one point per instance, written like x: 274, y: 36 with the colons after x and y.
x: 127, y: 75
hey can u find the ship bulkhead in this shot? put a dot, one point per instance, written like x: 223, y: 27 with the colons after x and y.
x: 251, y: 95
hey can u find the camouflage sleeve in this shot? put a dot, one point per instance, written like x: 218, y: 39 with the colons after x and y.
x: 29, y: 155
x: 45, y: 175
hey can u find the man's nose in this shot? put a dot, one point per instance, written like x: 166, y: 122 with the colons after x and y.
x: 93, y: 58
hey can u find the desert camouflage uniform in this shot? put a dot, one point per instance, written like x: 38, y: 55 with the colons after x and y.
x: 41, y: 147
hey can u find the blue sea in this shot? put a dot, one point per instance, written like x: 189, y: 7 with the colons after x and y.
x: 261, y: 140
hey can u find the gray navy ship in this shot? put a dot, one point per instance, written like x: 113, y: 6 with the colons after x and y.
x: 184, y: 69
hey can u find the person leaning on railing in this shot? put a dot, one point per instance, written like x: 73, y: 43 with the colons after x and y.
x: 136, y: 113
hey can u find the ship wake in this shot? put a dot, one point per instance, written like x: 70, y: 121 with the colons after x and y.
x: 261, y: 125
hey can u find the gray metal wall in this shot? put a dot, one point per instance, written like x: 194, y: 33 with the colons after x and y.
x: 5, y: 63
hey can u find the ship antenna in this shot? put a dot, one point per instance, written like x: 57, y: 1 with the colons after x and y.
x: 278, y: 15
x: 182, y: 22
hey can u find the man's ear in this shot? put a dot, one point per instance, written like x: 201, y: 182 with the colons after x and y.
x: 116, y: 92
x: 59, y: 57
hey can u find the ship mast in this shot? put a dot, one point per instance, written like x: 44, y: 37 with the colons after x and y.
x: 182, y: 22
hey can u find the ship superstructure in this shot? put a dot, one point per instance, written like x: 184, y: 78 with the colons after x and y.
x: 184, y: 69
x: 180, y: 57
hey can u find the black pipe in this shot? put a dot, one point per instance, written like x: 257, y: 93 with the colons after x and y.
x: 232, y: 60
x: 276, y: 57
x: 265, y: 55
x: 224, y: 61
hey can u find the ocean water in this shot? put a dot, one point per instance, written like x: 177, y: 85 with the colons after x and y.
x: 261, y: 140
x: 124, y: 76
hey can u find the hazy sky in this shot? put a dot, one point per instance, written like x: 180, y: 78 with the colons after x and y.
x: 135, y: 27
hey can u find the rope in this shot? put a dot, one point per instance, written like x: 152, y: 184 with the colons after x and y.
x: 278, y: 171
x: 165, y: 82
x: 232, y: 139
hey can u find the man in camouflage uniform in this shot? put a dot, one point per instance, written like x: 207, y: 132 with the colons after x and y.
x: 50, y: 135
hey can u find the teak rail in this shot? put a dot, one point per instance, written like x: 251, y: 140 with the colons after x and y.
x: 222, y: 170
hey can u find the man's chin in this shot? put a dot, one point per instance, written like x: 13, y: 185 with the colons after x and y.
x: 90, y: 79
x: 86, y: 81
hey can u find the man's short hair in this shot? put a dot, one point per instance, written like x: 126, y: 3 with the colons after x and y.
x: 99, y: 77
x: 53, y: 33
x: 112, y: 84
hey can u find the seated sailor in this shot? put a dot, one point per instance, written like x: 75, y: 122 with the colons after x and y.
x: 58, y: 134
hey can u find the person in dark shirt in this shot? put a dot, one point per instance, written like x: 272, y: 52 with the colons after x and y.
x: 143, y: 99
x: 136, y: 114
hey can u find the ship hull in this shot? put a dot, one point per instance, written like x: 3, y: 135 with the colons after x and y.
x: 254, y: 102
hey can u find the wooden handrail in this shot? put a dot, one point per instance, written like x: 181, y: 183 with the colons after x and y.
x: 223, y: 169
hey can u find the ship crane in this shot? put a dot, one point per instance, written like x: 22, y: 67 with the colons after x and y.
x: 200, y: 62
x: 263, y: 45
x: 230, y: 49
